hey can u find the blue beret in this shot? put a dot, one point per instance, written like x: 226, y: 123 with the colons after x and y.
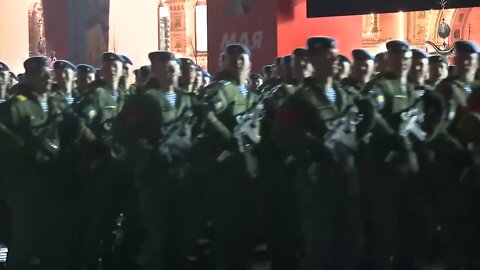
x: 278, y: 61
x: 83, y: 68
x: 35, y: 63
x: 267, y: 68
x: 63, y: 64
x: 199, y: 69
x: 144, y: 71
x: 126, y: 60
x: 13, y: 76
x: 465, y: 46
x: 109, y: 56
x: 3, y: 67
x: 416, y: 53
x: 316, y: 44
x: 233, y: 49
x: 361, y: 55
x: 186, y: 61
x: 398, y: 46
x: 343, y: 58
x: 436, y: 59
x: 161, y: 56
x: 287, y: 59
x: 380, y: 57
x: 300, y: 52
x: 255, y: 76
x: 206, y: 74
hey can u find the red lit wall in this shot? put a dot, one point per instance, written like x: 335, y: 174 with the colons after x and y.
x: 293, y: 33
x: 56, y: 27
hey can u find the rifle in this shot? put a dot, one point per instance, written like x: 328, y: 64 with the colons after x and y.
x: 342, y: 130
x: 412, y: 118
x: 176, y: 135
x: 248, y: 123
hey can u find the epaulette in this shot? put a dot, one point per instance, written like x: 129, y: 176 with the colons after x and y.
x: 21, y: 98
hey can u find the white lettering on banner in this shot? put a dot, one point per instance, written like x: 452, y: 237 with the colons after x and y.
x: 253, y: 42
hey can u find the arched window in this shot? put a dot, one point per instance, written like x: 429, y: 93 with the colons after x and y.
x: 163, y: 26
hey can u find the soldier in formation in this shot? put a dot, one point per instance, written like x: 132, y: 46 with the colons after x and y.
x: 320, y: 163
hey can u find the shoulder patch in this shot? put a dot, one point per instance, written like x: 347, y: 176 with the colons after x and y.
x: 21, y: 98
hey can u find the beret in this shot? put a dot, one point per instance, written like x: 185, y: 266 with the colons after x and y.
x: 12, y: 75
x: 255, y: 76
x: 233, y: 49
x: 436, y: 59
x: 109, y: 56
x: 278, y: 61
x: 343, y: 58
x: 465, y: 46
x: 398, y: 46
x: 161, y: 56
x: 361, y: 54
x: 186, y: 61
x: 267, y: 68
x: 35, y: 63
x: 3, y: 67
x: 206, y: 74
x: 287, y: 59
x: 380, y: 57
x: 63, y: 64
x: 199, y: 69
x: 300, y: 52
x: 144, y: 71
x: 416, y: 53
x: 83, y: 68
x: 316, y: 44
x: 126, y: 60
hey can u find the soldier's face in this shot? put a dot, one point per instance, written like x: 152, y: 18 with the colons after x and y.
x: 84, y: 79
x: 400, y: 62
x: 363, y: 68
x: 287, y: 72
x: 325, y: 63
x: 166, y: 72
x: 64, y: 77
x: 239, y: 63
x: 4, y: 78
x: 112, y: 70
x: 419, y: 68
x: 437, y: 71
x: 343, y: 69
x: 41, y: 79
x: 466, y: 63
x: 188, y: 73
x: 126, y: 70
x: 302, y: 68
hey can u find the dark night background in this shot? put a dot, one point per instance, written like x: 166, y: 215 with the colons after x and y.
x: 324, y: 8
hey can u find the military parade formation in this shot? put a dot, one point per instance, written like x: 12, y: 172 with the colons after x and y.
x: 318, y: 163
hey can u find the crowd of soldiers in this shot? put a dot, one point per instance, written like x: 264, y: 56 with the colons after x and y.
x: 318, y: 163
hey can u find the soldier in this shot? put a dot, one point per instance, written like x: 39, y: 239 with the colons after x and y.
x: 362, y: 71
x: 386, y: 156
x: 323, y: 193
x: 302, y: 68
x: 31, y: 144
x: 4, y: 82
x: 207, y: 77
x: 380, y: 63
x: 162, y: 177
x: 344, y: 66
x: 98, y: 109
x: 255, y: 80
x: 85, y: 76
x: 437, y: 70
x: 199, y: 83
x: 64, y: 78
x: 127, y: 64
x: 456, y: 89
x: 232, y: 195
x: 267, y: 72
x: 141, y: 78
x: 188, y: 71
x: 418, y: 72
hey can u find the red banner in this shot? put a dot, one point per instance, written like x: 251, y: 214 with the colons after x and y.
x: 249, y: 22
